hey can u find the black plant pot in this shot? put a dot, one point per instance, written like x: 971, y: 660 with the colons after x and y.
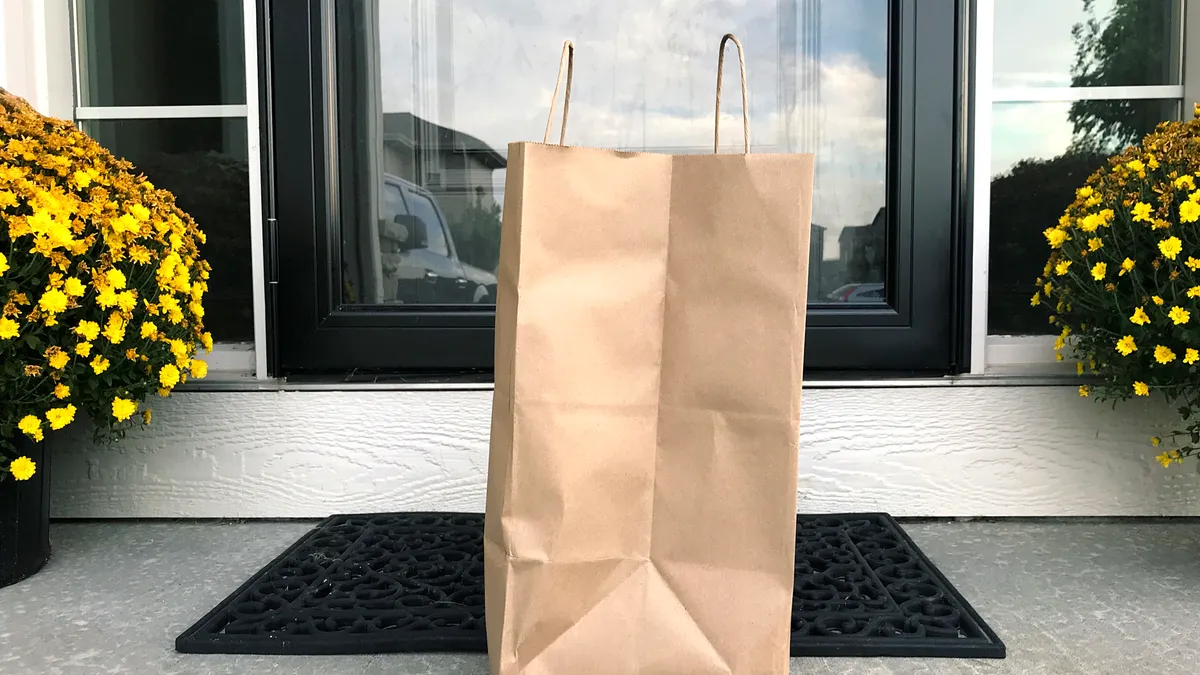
x: 25, y: 517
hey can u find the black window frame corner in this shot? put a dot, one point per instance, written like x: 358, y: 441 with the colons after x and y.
x: 921, y: 329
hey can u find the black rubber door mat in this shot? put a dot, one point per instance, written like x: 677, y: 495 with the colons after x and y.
x: 413, y: 582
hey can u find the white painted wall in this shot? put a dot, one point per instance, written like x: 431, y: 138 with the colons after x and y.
x: 917, y: 451
x: 933, y: 451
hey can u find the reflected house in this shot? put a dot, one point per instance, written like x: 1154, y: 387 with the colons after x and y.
x: 816, y: 254
x: 456, y: 167
x: 863, y: 251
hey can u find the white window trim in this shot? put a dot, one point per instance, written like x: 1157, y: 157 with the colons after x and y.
x: 53, y: 51
x: 1018, y: 354
x: 1071, y: 94
x: 158, y: 112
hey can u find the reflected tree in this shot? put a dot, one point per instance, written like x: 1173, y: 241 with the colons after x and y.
x: 1129, y: 46
x: 1132, y: 45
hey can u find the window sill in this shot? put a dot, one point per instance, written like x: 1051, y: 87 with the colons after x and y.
x: 1032, y: 378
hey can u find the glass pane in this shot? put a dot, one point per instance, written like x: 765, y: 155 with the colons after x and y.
x: 1042, y: 152
x: 151, y: 52
x: 204, y: 163
x: 1087, y: 43
x: 431, y: 93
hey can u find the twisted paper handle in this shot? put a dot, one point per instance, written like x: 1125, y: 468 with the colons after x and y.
x: 729, y: 37
x: 567, y: 63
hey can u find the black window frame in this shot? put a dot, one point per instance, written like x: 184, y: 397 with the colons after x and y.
x: 921, y: 329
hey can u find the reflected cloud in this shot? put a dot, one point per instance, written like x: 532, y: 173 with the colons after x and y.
x: 644, y: 80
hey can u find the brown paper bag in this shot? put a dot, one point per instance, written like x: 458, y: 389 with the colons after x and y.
x: 641, y: 498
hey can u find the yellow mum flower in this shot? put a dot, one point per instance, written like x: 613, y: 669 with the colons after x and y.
x: 83, y: 349
x: 107, y: 298
x: 9, y: 329
x: 3, y: 264
x: 1189, y: 212
x: 1083, y: 192
x: 88, y: 330
x: 207, y: 341
x: 1141, y: 212
x: 1061, y: 268
x: 116, y: 278
x: 1095, y: 243
x: 1084, y: 391
x: 199, y: 369
x: 169, y: 376
x: 1193, y: 264
x: 146, y: 415
x: 1141, y: 389
x: 60, y: 417
x: 1139, y: 317
x: 124, y: 223
x: 1099, y: 270
x: 1157, y: 299
x: 1164, y: 459
x: 1191, y: 356
x: 1155, y: 440
x: 1126, y: 345
x: 123, y: 408
x: 140, y: 212
x: 1126, y: 266
x: 1136, y: 165
x: 115, y: 329
x: 149, y: 330
x: 1056, y: 237
x: 74, y: 287
x: 82, y: 178
x: 1179, y: 315
x: 1185, y: 182
x: 1090, y: 222
x: 53, y: 301
x: 140, y: 254
x: 127, y: 300
x: 1035, y: 300
x: 99, y: 364
x: 1171, y: 246
x: 58, y: 358
x: 23, y: 468
x: 61, y: 391
x: 1163, y: 355
x: 31, y: 426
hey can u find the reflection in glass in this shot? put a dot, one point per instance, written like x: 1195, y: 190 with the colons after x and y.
x: 204, y: 163
x: 158, y: 52
x: 1041, y: 153
x: 431, y: 93
x: 1087, y: 43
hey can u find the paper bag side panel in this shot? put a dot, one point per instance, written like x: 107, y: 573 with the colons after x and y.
x: 725, y: 492
x: 588, y: 349
x: 496, y: 567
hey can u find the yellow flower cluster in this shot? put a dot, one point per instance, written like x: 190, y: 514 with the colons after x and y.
x: 1123, y: 277
x: 101, y: 283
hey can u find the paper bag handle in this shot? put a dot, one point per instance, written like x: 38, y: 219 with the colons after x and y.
x: 567, y: 63
x: 745, y: 105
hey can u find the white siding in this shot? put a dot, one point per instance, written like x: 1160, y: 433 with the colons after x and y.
x: 940, y: 451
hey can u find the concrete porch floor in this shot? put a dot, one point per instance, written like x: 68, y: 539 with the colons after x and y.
x: 1066, y: 597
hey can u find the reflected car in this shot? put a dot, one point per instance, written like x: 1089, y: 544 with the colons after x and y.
x: 872, y: 293
x: 420, y: 255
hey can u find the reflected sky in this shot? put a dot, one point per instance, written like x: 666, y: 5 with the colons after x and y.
x: 645, y: 78
x: 1040, y: 54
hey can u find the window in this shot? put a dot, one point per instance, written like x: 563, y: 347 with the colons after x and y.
x: 420, y: 96
x: 1082, y: 82
x: 163, y: 84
